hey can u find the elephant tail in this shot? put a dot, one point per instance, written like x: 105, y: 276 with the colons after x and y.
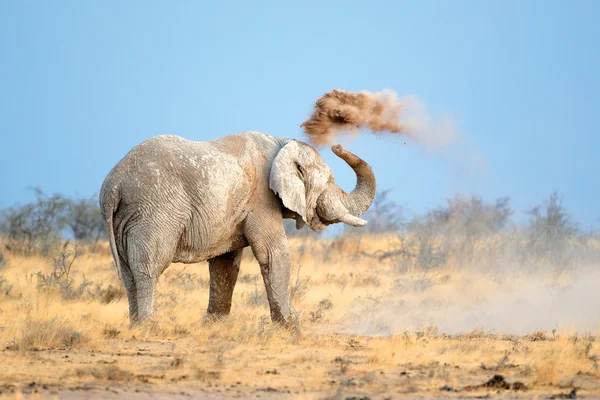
x: 113, y: 244
x: 108, y: 206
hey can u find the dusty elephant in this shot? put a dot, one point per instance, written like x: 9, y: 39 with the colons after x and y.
x: 175, y: 200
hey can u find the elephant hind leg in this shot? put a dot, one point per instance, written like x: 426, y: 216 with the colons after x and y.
x: 224, y: 271
x: 129, y: 283
x: 146, y: 294
x: 148, y: 256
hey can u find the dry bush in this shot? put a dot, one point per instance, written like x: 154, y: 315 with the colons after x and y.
x: 5, y: 287
x: 186, y: 280
x: 257, y: 297
x: 298, y: 287
x: 107, y: 295
x: 546, y: 372
x: 33, y: 228
x: 37, y: 227
x: 318, y: 313
x: 55, y: 333
x: 110, y: 332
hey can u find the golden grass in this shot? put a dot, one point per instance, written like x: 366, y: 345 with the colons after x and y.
x: 361, y: 324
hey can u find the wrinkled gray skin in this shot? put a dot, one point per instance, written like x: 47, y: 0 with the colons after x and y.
x: 175, y: 200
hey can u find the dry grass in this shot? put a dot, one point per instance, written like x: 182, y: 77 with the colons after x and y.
x: 368, y: 327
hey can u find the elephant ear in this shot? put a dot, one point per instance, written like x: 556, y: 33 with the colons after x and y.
x: 286, y: 179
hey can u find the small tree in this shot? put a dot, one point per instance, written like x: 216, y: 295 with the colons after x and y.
x: 462, y: 222
x: 34, y: 227
x: 549, y: 231
x: 383, y: 216
x: 471, y: 216
x: 84, y: 219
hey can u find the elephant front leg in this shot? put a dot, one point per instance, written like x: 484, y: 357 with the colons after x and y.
x: 224, y: 271
x: 276, y: 276
x: 270, y: 247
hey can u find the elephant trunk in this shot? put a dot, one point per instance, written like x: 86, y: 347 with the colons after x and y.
x: 338, y: 206
x: 359, y: 200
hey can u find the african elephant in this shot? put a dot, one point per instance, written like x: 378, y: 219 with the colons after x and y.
x: 175, y: 200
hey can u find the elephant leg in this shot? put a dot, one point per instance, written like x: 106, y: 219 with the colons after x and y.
x: 146, y: 294
x: 224, y: 271
x: 270, y: 247
x: 129, y: 283
x: 149, y: 253
x: 276, y: 276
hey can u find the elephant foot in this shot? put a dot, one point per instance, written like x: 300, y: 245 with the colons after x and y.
x: 139, y: 324
x: 134, y: 321
x: 213, y: 317
x: 142, y: 321
x: 289, y: 323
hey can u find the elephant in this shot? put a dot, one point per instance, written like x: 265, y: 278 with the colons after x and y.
x: 171, y: 199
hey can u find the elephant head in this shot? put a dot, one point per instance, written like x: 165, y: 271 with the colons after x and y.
x: 306, y: 186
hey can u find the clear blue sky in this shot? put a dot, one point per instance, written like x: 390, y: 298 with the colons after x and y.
x: 82, y: 82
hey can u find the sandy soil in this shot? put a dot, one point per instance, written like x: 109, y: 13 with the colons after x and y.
x: 343, y: 367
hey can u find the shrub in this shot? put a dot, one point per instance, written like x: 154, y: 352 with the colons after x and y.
x: 298, y: 288
x: 84, y: 219
x: 551, y: 232
x: 60, y: 280
x: 54, y: 333
x: 5, y: 287
x: 471, y: 216
x: 38, y: 226
x: 186, y: 280
x: 256, y: 298
x: 384, y: 216
x: 106, y: 295
x: 33, y: 227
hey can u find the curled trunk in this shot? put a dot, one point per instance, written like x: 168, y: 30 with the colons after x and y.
x: 359, y: 200
x: 335, y: 205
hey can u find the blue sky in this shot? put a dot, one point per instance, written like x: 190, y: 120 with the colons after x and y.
x: 85, y: 81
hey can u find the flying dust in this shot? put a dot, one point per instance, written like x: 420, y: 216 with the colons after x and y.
x: 340, y: 111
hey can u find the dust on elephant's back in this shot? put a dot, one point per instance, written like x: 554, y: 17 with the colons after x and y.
x: 199, y: 186
x: 216, y: 190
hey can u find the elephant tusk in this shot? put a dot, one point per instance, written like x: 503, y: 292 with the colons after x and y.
x: 352, y: 220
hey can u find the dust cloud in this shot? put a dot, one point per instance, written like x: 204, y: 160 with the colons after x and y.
x: 510, y: 305
x: 503, y: 300
x: 342, y: 112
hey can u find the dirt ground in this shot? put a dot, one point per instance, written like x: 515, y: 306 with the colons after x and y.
x: 344, y: 367
x: 361, y: 333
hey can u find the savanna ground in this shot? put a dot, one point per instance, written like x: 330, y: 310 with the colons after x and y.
x: 369, y: 324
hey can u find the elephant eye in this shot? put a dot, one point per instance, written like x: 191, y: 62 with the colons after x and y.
x: 300, y: 170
